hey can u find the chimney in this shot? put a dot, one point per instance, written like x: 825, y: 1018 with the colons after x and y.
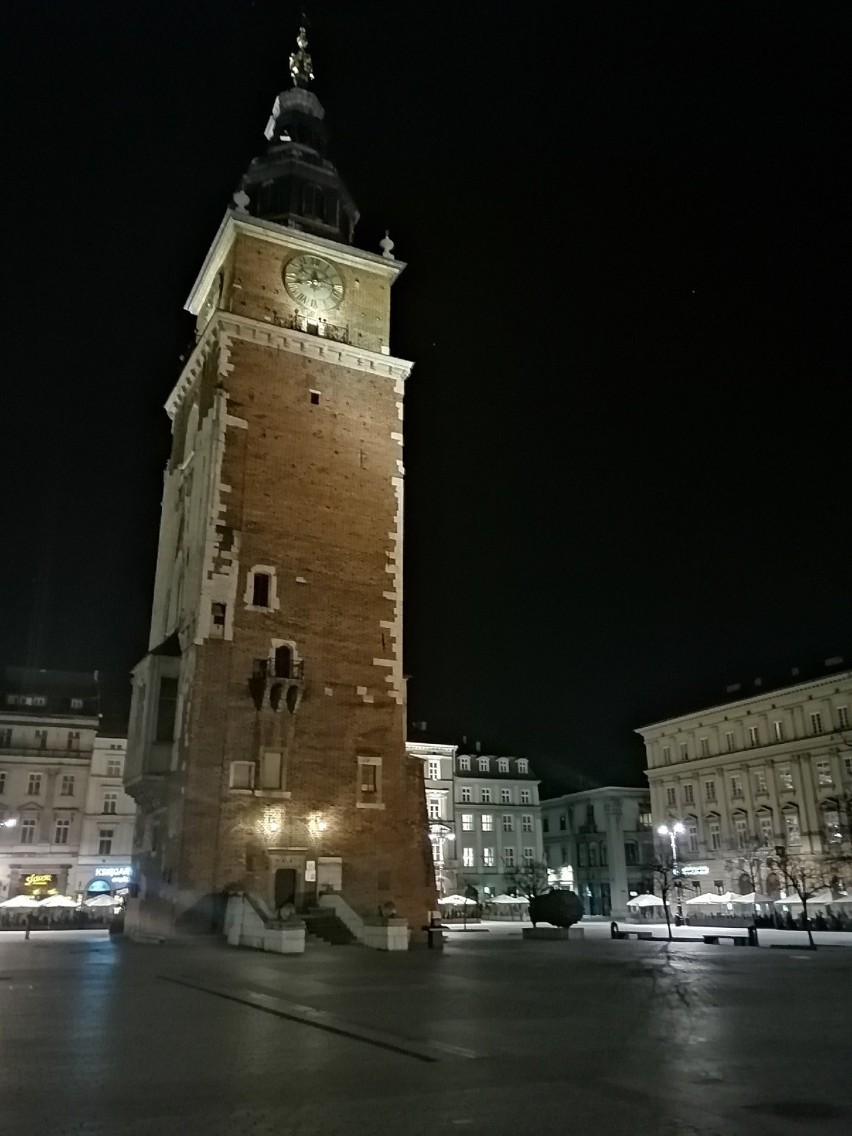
x: 479, y: 747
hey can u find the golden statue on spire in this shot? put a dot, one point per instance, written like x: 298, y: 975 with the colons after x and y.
x: 300, y: 61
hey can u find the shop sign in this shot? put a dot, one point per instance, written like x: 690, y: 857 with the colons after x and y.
x: 120, y: 876
x: 694, y: 870
x: 40, y: 883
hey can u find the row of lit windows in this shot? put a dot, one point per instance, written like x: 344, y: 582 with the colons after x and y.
x: 41, y: 737
x: 483, y: 764
x: 765, y: 834
x: 38, y: 700
x: 489, y: 860
x: 67, y: 787
x: 487, y: 822
x: 760, y: 785
x: 61, y: 830
x: 486, y: 797
x: 754, y: 737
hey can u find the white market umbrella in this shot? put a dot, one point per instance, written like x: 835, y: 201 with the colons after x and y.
x: 708, y: 899
x: 645, y: 900
x: 20, y: 902
x: 59, y: 901
x: 819, y: 899
x: 503, y: 898
x: 751, y: 899
x: 101, y: 901
x: 457, y: 901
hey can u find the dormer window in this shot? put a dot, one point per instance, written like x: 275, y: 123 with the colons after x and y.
x: 464, y: 763
x: 523, y: 765
x: 503, y: 764
x: 483, y: 764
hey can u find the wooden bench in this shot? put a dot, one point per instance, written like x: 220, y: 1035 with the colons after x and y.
x: 737, y: 940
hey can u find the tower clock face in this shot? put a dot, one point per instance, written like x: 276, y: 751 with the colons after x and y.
x: 313, y: 283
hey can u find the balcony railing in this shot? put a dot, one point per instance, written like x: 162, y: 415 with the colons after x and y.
x: 315, y: 325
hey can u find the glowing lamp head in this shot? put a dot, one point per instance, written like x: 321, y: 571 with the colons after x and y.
x: 679, y: 827
x: 662, y: 830
x: 10, y: 823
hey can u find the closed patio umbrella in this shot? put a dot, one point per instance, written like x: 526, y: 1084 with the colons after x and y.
x: 59, y: 901
x: 102, y: 901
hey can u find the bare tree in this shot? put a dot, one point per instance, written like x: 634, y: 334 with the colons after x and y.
x: 530, y: 878
x: 806, y: 875
x: 663, y: 869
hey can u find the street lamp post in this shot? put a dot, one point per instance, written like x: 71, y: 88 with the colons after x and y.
x: 673, y: 831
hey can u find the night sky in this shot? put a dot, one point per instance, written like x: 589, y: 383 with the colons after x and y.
x: 626, y: 228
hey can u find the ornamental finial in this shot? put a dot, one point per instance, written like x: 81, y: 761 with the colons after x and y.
x: 300, y: 61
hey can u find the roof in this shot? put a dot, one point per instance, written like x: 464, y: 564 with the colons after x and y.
x: 603, y: 791
x: 742, y: 693
x: 40, y: 692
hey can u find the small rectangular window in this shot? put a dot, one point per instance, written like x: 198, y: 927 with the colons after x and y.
x: 526, y: 823
x: 166, y: 709
x: 2, y: 781
x: 631, y: 852
x: 760, y: 783
x: 754, y: 735
x: 509, y: 857
x: 705, y: 746
x: 433, y: 770
x: 242, y: 775
x: 76, y: 703
x: 6, y: 737
x: 110, y: 802
x: 767, y: 837
x: 692, y: 837
x: 464, y: 763
x: 73, y: 739
x: 688, y: 795
x: 505, y: 796
x: 467, y: 857
x: 523, y: 765
x: 466, y: 794
x: 526, y: 799
x: 485, y: 796
x: 715, y: 835
x: 217, y: 616
x: 791, y: 823
x: 710, y: 790
x: 41, y: 739
x: 34, y: 785
x: 369, y: 781
x: 671, y: 796
x: 260, y: 589
x: 508, y: 822
x: 736, y: 786
x: 433, y: 808
x: 503, y: 764
x: 843, y: 717
x: 488, y: 857
x: 816, y: 722
x: 563, y: 822
x: 824, y: 773
x: 683, y: 750
x: 60, y: 832
x: 105, y: 840
x: 113, y: 767
x: 487, y: 822
x: 847, y: 762
x: 467, y: 822
x: 778, y: 730
x: 28, y: 831
x: 729, y: 741
x: 270, y: 770
x: 785, y: 777
x: 66, y: 788
x: 483, y: 764
x: 315, y: 397
x: 529, y: 855
x: 667, y: 755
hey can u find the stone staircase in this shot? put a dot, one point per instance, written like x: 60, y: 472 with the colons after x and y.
x: 322, y: 923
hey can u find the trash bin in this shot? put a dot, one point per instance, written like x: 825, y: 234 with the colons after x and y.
x: 434, y: 936
x: 752, y: 936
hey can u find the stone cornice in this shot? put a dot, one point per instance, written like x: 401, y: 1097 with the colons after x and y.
x: 759, y: 696
x: 234, y: 223
x: 224, y: 324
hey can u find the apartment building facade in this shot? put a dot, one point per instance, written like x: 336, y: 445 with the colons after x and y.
x: 599, y: 842
x: 66, y: 824
x: 754, y: 775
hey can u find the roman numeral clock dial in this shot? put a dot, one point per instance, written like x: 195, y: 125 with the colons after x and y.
x: 313, y: 283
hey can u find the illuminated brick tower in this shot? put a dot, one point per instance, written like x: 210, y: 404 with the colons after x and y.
x: 267, y: 728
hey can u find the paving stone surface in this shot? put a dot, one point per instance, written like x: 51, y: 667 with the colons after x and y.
x: 492, y: 1035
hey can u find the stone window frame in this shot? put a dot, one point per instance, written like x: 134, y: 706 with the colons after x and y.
x: 248, y: 596
x: 375, y: 800
x: 252, y: 770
